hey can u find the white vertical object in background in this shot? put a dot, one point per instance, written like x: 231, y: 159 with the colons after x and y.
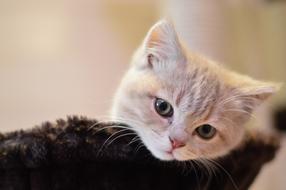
x: 202, y: 25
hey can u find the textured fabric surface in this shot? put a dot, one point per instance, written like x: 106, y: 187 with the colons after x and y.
x: 80, y: 153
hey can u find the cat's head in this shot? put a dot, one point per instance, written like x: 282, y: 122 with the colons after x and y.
x: 182, y: 105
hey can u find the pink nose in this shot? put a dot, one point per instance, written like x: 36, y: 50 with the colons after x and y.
x: 176, y: 143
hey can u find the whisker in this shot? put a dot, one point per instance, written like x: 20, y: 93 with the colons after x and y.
x: 138, y: 147
x: 121, y: 119
x: 226, y: 172
x: 135, y: 139
x: 123, y: 135
x: 196, y: 174
x: 102, y: 146
x: 107, y: 124
x: 110, y: 127
x: 206, y: 166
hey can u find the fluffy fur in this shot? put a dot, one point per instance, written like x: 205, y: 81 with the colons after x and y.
x: 68, y: 155
x: 200, y: 91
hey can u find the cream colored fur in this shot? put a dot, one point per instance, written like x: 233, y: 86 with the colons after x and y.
x: 200, y: 91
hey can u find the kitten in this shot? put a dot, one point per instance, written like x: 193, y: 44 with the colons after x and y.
x: 184, y: 106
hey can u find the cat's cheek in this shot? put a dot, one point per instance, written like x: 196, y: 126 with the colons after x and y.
x: 180, y: 155
x: 198, y: 146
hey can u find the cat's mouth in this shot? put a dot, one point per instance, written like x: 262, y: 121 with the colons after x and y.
x: 174, y: 154
x: 170, y: 152
x: 168, y: 155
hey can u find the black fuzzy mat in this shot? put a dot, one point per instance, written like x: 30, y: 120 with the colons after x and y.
x: 69, y: 155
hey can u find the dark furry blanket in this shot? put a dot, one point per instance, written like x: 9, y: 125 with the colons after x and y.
x: 70, y: 155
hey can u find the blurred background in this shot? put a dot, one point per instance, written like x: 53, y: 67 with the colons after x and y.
x: 65, y: 57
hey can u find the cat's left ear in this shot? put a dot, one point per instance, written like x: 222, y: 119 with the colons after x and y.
x: 253, y: 92
x: 162, y: 44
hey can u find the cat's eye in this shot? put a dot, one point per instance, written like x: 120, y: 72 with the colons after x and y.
x: 206, y: 131
x: 163, y: 107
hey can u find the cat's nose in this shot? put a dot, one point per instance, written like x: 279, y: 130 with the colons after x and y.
x: 176, y: 143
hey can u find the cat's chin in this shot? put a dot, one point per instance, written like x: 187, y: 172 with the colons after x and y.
x: 170, y: 156
x: 177, y: 154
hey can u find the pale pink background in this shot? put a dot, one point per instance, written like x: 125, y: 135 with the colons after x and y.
x: 60, y: 58
x: 65, y: 57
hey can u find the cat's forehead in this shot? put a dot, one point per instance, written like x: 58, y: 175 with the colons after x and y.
x: 192, y: 89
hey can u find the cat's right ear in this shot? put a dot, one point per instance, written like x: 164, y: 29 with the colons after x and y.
x: 161, y: 45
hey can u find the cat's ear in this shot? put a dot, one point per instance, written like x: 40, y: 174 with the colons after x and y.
x: 255, y: 94
x: 162, y: 44
x: 252, y: 92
